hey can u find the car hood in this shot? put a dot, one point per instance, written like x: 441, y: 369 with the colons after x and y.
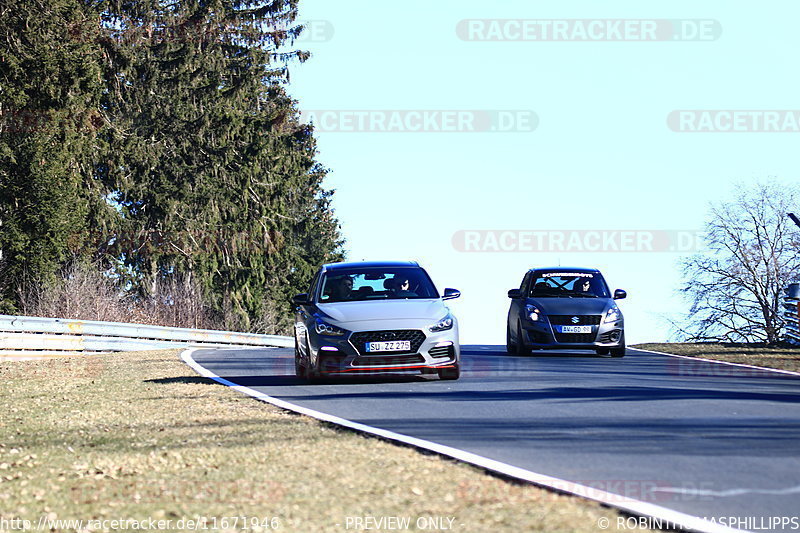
x: 571, y: 306
x: 344, y: 312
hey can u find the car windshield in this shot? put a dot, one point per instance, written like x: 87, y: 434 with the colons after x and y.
x: 568, y: 285
x: 376, y: 284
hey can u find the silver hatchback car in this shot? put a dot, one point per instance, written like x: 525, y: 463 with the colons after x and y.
x: 374, y: 317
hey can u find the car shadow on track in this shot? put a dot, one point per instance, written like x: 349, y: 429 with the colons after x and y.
x: 500, y: 351
x: 293, y: 381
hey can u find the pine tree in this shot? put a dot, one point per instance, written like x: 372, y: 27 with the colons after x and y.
x: 215, y: 176
x: 50, y: 88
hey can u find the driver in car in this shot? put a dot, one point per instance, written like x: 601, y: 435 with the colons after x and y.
x: 342, y: 289
x: 584, y: 287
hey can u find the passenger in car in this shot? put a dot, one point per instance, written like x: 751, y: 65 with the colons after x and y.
x: 541, y: 287
x: 402, y: 286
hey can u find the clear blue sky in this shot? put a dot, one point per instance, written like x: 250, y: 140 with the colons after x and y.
x: 602, y: 156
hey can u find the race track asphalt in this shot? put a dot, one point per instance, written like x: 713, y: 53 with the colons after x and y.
x: 705, y: 439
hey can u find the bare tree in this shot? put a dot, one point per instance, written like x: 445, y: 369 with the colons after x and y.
x: 177, y: 302
x: 86, y: 291
x: 82, y: 291
x: 736, y: 286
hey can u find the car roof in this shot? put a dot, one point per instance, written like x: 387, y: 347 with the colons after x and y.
x: 565, y: 269
x: 369, y: 264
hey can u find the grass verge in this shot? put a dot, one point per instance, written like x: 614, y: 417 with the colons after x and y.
x: 140, y: 436
x: 785, y: 358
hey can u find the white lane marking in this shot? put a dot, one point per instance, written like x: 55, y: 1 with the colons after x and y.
x: 727, y: 493
x: 637, y: 507
x: 742, y: 365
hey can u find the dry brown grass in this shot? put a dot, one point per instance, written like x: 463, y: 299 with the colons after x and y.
x: 139, y: 436
x: 786, y: 358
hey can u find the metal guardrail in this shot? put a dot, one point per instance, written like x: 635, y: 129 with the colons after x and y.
x: 25, y: 335
x: 791, y: 313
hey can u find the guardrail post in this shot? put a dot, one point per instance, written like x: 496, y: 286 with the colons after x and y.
x: 791, y: 313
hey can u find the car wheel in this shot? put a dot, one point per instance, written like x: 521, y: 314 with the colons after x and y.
x: 511, y: 348
x: 313, y: 375
x: 619, y: 352
x: 521, y: 349
x: 601, y: 351
x: 449, y: 374
x: 299, y: 368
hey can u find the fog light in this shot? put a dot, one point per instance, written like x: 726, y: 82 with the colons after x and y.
x: 614, y: 337
x: 329, y: 349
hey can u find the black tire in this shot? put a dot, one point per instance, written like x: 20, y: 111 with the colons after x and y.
x: 521, y: 348
x: 313, y: 374
x: 449, y: 374
x: 620, y: 351
x: 511, y: 348
x: 299, y: 369
x: 601, y: 351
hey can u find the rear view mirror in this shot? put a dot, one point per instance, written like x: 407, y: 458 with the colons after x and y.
x: 619, y: 294
x: 514, y: 293
x: 301, y: 299
x: 449, y: 294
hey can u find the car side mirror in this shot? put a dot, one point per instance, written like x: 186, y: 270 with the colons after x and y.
x: 514, y: 293
x: 301, y: 299
x: 619, y: 294
x: 449, y: 294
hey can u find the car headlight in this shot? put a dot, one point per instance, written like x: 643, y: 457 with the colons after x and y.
x: 443, y: 325
x: 533, y: 313
x: 323, y: 328
x: 613, y: 315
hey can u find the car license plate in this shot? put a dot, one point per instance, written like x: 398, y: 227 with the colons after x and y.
x: 389, y: 346
x: 575, y: 329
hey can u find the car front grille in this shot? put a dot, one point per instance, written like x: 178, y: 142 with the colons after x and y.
x: 583, y: 320
x: 388, y: 360
x: 538, y: 337
x: 359, y: 339
x: 575, y: 338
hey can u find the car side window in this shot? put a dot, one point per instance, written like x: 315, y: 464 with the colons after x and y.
x: 523, y: 287
x: 313, y: 287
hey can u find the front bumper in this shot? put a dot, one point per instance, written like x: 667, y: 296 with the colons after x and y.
x: 542, y: 335
x: 347, y: 355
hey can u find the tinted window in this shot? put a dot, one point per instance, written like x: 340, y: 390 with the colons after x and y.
x: 313, y: 288
x: 376, y: 284
x: 568, y: 284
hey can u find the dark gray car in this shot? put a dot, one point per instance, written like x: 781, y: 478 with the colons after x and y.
x: 565, y: 308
